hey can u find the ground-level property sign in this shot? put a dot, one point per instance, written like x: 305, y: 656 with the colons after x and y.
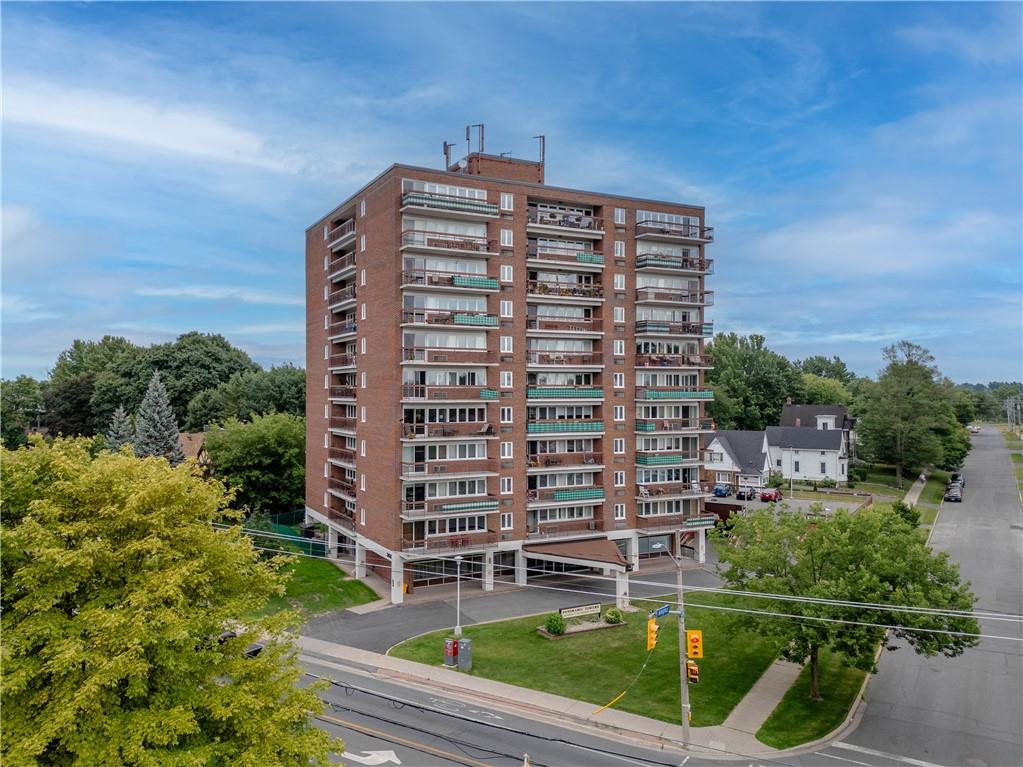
x: 695, y: 523
x: 580, y: 610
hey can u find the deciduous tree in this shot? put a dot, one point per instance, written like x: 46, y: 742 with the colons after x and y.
x: 21, y: 404
x: 754, y: 381
x: 824, y: 391
x: 833, y: 368
x: 68, y: 411
x: 277, y: 390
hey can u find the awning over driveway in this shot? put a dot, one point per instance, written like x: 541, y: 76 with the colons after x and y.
x: 589, y: 552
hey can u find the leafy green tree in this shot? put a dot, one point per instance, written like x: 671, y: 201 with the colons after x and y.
x: 833, y: 368
x: 21, y: 405
x: 277, y: 390
x: 963, y: 403
x: 120, y: 432
x: 263, y: 461
x: 67, y: 405
x: 122, y: 383
x: 156, y: 431
x: 88, y: 357
x: 115, y: 589
x: 750, y: 381
x: 824, y: 391
x: 260, y: 522
x: 785, y: 552
x: 908, y: 513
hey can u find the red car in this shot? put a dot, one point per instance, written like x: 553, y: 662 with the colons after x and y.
x: 770, y: 494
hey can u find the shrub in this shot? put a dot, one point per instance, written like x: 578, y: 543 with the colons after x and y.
x: 555, y: 624
x: 828, y: 482
x: 908, y: 513
x: 776, y: 479
x: 613, y: 615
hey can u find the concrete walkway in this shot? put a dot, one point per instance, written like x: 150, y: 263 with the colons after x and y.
x: 914, y: 492
x: 737, y: 734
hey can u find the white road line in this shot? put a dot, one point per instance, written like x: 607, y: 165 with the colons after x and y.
x: 843, y: 759
x: 885, y: 755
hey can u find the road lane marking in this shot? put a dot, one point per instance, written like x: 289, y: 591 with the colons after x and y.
x: 373, y: 758
x: 885, y: 755
x: 843, y: 759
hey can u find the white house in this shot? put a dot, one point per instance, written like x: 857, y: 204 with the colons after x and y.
x: 822, y: 417
x: 740, y: 459
x: 808, y: 455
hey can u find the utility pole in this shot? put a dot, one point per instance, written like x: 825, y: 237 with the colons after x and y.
x: 682, y: 679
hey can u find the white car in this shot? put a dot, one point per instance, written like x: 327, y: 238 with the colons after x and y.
x: 974, y: 430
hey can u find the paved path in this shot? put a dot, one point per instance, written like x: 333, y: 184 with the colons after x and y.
x: 763, y: 697
x: 913, y: 495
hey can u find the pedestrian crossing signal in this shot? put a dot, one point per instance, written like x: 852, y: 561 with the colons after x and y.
x: 692, y: 672
x: 694, y: 644
x: 651, y: 633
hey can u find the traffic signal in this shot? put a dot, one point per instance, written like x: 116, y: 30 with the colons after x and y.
x: 694, y: 644
x: 651, y: 633
x: 692, y: 672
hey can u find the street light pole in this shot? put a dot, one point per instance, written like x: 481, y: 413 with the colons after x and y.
x: 682, y: 679
x: 458, y: 596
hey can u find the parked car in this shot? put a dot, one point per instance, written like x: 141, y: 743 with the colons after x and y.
x: 957, y: 479
x: 771, y: 494
x: 974, y: 430
x: 746, y: 494
x: 954, y: 494
x: 722, y: 490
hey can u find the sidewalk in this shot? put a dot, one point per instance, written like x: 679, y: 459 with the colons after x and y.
x: 735, y: 736
x: 914, y: 493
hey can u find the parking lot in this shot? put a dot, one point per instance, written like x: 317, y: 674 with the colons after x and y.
x: 798, y: 503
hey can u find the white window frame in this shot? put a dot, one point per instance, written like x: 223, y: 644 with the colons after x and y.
x: 618, y: 446
x: 362, y: 243
x: 362, y: 278
x: 619, y: 249
x: 507, y: 379
x: 619, y: 511
x: 507, y: 450
x: 362, y: 414
x: 619, y: 412
x: 507, y: 485
x: 507, y: 273
x: 507, y: 201
x: 619, y: 347
x: 507, y: 238
x: 507, y: 344
x: 619, y: 281
x: 507, y: 520
x: 618, y: 312
x: 618, y: 380
x: 507, y: 414
x: 362, y: 448
x: 506, y: 308
x: 619, y: 479
x: 620, y: 216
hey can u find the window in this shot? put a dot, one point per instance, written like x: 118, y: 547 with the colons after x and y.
x: 325, y: 264
x: 506, y: 520
x: 619, y: 412
x: 506, y: 379
x: 362, y: 379
x: 506, y: 308
x: 326, y: 470
x: 324, y: 292
x: 326, y: 437
x: 506, y: 344
x: 824, y: 468
x: 362, y: 481
x: 619, y: 478
x: 619, y: 380
x: 507, y: 450
x: 620, y: 216
x: 362, y: 448
x: 619, y: 314
x: 362, y: 243
x: 362, y: 277
x: 778, y: 463
x: 326, y: 353
x: 841, y: 468
x: 362, y: 414
x: 619, y: 347
x: 619, y: 281
x: 362, y: 312
x: 362, y: 345
x: 506, y: 238
x: 362, y: 516
x: 506, y: 272
x: 619, y: 446
x: 326, y: 382
x: 619, y: 511
x: 506, y: 415
x: 507, y: 201
x: 619, y: 249
x: 824, y: 425
x: 362, y: 208
x: 506, y: 485
x: 796, y: 467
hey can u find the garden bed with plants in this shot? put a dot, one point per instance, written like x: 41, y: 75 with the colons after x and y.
x: 556, y: 627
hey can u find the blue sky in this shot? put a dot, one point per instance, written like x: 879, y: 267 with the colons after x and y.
x: 861, y: 162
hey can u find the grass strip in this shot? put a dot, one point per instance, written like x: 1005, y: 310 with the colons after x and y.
x: 934, y: 490
x: 315, y: 586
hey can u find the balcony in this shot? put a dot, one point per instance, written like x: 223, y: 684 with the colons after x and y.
x: 566, y: 359
x: 661, y: 328
x: 432, y: 430
x: 341, y: 361
x: 344, y: 486
x: 674, y: 361
x: 342, y: 422
x: 338, y: 329
x: 435, y: 279
x: 340, y: 265
x: 571, y: 529
x: 564, y: 392
x: 342, y: 392
x: 664, y: 262
x: 564, y: 426
x: 342, y: 231
x: 674, y: 424
x: 447, y: 543
x: 570, y: 256
x: 453, y: 393
x: 562, y: 494
x: 674, y: 457
x: 660, y: 523
x: 547, y: 460
x: 660, y: 230
x: 561, y: 222
x: 460, y: 244
x: 675, y: 296
x: 545, y: 289
x: 448, y: 203
x: 674, y: 392
x: 342, y: 518
x: 442, y: 506
x: 342, y: 454
x: 665, y: 490
x: 421, y: 469
x: 566, y: 324
x: 448, y: 356
x: 442, y: 317
x: 342, y: 296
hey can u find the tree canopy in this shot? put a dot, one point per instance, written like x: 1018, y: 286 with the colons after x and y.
x: 21, y: 403
x: 873, y: 556
x: 156, y: 433
x: 824, y: 391
x: 833, y: 368
x: 67, y: 405
x: 277, y: 390
x: 88, y: 357
x: 751, y: 382
x: 116, y: 594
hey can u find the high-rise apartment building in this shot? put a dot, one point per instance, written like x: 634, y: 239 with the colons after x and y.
x: 506, y: 371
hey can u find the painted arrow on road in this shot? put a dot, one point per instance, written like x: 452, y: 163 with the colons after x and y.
x: 372, y: 757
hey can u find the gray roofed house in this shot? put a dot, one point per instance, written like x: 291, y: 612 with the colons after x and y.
x: 804, y: 439
x: 808, y: 455
x: 744, y: 458
x: 811, y: 416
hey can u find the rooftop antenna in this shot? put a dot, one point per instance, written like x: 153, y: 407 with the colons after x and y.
x: 468, y: 145
x: 480, y: 126
x: 504, y: 154
x: 543, y: 147
x: 447, y: 154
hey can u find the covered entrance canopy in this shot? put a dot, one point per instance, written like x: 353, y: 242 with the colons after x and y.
x: 589, y: 552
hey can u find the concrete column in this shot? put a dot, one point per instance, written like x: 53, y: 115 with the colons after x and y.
x: 701, y: 545
x: 633, y: 555
x: 488, y: 571
x: 360, y: 561
x: 331, y: 542
x: 621, y: 590
x: 676, y: 542
x: 397, y: 579
x: 520, y: 568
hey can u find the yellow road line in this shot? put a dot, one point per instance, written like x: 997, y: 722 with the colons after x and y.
x: 460, y: 758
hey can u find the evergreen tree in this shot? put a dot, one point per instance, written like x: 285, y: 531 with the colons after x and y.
x: 120, y: 431
x: 156, y: 430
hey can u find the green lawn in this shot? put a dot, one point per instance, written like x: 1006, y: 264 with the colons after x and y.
x: 850, y: 501
x: 1017, y: 457
x: 877, y: 489
x: 927, y: 514
x: 316, y: 586
x: 797, y: 719
x: 597, y: 666
x: 934, y: 490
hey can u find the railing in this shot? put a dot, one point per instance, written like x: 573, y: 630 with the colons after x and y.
x: 656, y: 490
x: 343, y: 229
x: 420, y: 238
x: 438, y: 201
x: 550, y: 253
x: 473, y: 429
x: 565, y: 220
x: 342, y: 454
x: 345, y: 486
x: 342, y: 391
x: 564, y: 529
x: 342, y: 328
x: 342, y: 422
x: 443, y: 317
x: 543, y: 460
x: 674, y: 424
x: 660, y: 522
x: 674, y: 360
x: 424, y: 354
x: 674, y: 392
x: 704, y: 329
x: 451, y: 542
x: 346, y: 261
x: 439, y: 392
x: 590, y: 493
x: 674, y: 457
x: 345, y: 294
x: 676, y: 263
x: 449, y: 279
x: 434, y: 468
x: 686, y: 231
x: 534, y: 357
x: 564, y: 289
x: 341, y: 361
x: 440, y: 506
x: 342, y: 518
x: 564, y: 392
x: 676, y: 296
x: 564, y: 426
x: 577, y: 324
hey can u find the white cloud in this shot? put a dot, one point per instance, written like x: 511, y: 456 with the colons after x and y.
x: 986, y: 42
x: 215, y: 293
x: 20, y: 309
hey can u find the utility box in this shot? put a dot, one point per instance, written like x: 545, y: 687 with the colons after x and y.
x: 464, y: 654
x: 450, y: 651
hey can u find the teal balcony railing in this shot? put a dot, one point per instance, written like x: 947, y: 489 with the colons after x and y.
x: 448, y: 202
x: 563, y: 392
x: 563, y: 427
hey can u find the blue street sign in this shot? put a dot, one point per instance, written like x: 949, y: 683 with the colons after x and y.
x: 663, y: 610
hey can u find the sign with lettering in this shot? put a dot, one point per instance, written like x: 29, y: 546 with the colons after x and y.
x: 695, y: 523
x: 580, y: 611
